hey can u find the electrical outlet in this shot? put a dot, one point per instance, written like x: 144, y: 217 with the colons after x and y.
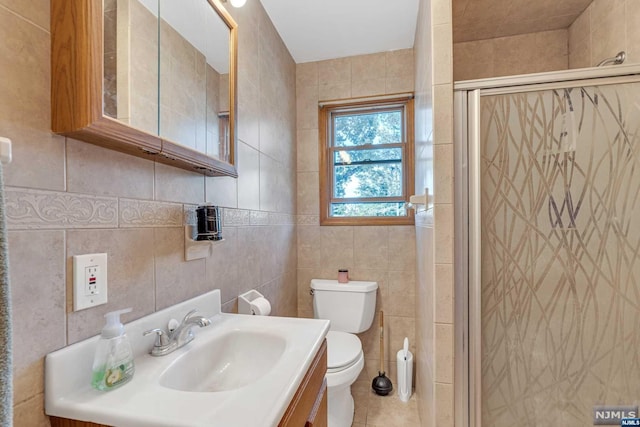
x: 89, y: 281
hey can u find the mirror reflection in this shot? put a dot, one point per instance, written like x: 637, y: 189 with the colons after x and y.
x: 167, y: 71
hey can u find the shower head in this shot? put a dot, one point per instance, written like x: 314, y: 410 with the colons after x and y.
x: 616, y: 60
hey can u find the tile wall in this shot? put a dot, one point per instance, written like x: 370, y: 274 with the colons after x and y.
x: 507, y: 56
x: 385, y: 254
x: 602, y: 30
x: 434, y: 228
x: 66, y: 197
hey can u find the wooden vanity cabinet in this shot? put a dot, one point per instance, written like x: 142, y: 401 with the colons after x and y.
x: 308, y: 408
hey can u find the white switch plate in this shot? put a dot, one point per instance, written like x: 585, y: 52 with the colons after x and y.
x: 89, y: 280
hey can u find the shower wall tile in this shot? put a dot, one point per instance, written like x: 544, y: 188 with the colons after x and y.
x: 602, y: 30
x: 96, y: 170
x: 442, y: 53
x: 632, y: 16
x: 504, y: 56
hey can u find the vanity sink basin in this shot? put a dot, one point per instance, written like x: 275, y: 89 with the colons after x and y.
x: 238, y: 371
x: 227, y: 362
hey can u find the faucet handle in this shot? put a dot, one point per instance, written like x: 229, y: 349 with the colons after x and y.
x: 162, y: 340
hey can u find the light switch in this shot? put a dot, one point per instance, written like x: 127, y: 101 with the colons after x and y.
x: 89, y: 280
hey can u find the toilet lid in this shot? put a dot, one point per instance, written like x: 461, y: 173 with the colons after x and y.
x: 342, y: 349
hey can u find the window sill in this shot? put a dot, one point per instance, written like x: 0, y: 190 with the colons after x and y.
x: 380, y: 221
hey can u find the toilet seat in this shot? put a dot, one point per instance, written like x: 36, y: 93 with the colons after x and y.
x: 343, y: 350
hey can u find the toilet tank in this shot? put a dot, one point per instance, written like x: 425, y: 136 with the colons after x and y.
x: 349, y: 306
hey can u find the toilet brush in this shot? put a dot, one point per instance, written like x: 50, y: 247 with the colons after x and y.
x: 381, y: 384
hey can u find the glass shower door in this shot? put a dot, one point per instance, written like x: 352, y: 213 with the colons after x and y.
x: 560, y: 254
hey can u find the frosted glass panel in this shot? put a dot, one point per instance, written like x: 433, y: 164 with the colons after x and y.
x: 560, y: 254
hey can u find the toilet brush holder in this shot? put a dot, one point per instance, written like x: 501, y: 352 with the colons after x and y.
x: 404, y: 361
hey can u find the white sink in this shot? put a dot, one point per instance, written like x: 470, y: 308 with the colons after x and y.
x: 239, y: 371
x: 226, y: 362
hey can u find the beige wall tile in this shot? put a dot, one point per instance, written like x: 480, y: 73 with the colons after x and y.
x: 28, y: 382
x: 444, y: 293
x: 399, y: 63
x: 308, y: 193
x: 443, y: 173
x: 402, y: 248
x: 443, y: 233
x: 270, y: 183
x: 307, y: 107
x: 443, y: 114
x: 444, y: 353
x: 31, y: 413
x: 25, y: 117
x: 178, y: 185
x: 334, y: 71
x: 632, y: 16
x: 249, y: 113
x: 473, y: 60
x: 607, y: 38
x: 176, y: 279
x: 224, y: 275
x: 248, y: 177
x: 371, y: 248
x: 442, y: 53
x: 371, y: 87
x: 38, y: 304
x: 336, y: 245
x: 309, y: 246
x: 443, y: 404
x: 307, y: 151
x: 130, y: 276
x: 96, y: 170
x: 441, y: 12
x: 329, y: 91
x: 249, y: 256
x: 307, y: 74
x: 368, y: 67
x: 221, y: 191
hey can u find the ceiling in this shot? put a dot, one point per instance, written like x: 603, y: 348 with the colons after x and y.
x: 315, y: 30
x: 487, y: 19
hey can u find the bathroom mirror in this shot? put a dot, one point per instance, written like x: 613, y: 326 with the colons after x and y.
x: 154, y: 78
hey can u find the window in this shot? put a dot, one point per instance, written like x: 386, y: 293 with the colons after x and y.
x: 366, y: 162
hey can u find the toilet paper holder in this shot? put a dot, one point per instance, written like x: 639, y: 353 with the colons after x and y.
x: 246, y: 303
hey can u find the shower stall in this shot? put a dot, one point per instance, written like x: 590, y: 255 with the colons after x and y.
x: 548, y: 237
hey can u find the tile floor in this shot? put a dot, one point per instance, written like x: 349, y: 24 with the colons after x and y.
x: 372, y: 410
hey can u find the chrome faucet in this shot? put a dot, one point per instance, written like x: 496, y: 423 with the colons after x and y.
x: 179, y: 337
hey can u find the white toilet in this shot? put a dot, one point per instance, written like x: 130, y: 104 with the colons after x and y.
x: 350, y: 307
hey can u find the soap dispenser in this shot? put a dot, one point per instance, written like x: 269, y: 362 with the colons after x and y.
x: 113, y: 361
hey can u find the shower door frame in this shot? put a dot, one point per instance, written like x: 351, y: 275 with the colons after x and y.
x: 467, y: 247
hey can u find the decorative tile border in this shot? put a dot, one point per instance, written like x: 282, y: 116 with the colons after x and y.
x: 236, y: 217
x: 308, y: 219
x: 189, y: 214
x: 259, y: 218
x: 142, y: 213
x: 36, y: 209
